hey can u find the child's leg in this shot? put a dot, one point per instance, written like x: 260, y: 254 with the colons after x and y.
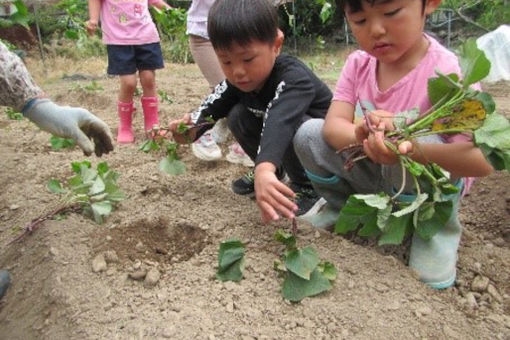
x: 149, y: 98
x: 246, y: 129
x: 325, y: 167
x: 435, y: 259
x: 125, y: 108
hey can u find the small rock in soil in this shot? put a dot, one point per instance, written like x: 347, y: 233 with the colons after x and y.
x: 110, y: 256
x: 480, y: 284
x: 99, y: 264
x: 152, y: 277
x: 138, y: 275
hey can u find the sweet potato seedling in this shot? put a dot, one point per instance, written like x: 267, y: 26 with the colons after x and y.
x: 159, y: 140
x: 59, y: 143
x: 304, y: 273
x: 94, y: 192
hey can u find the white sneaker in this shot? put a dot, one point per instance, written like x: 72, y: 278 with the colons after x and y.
x: 237, y: 155
x: 205, y: 148
x: 321, y: 215
x: 220, y: 131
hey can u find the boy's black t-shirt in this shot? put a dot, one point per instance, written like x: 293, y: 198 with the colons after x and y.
x: 292, y: 94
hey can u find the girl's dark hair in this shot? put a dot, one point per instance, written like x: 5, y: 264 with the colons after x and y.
x: 241, y: 21
x: 355, y: 5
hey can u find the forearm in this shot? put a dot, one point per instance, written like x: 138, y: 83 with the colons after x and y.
x: 461, y: 159
x: 16, y: 85
x: 94, y: 10
x: 338, y: 133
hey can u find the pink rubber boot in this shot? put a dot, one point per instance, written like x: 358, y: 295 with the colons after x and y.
x: 150, y: 112
x: 125, y: 130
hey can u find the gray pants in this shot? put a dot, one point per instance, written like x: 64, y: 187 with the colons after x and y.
x: 325, y: 168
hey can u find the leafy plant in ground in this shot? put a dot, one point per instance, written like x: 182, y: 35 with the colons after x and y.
x: 159, y: 141
x: 19, y: 17
x: 174, y: 41
x: 304, y: 273
x: 13, y: 115
x: 59, y: 143
x: 93, y: 87
x: 456, y: 109
x: 230, y: 261
x: 165, y: 97
x: 94, y: 192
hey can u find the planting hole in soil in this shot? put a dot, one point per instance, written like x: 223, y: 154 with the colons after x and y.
x: 154, y: 240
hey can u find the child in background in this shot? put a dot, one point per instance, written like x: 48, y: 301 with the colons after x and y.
x: 389, y: 73
x: 132, y: 42
x: 266, y: 97
x: 203, y: 54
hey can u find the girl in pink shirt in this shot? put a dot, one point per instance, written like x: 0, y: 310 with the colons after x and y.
x: 132, y: 42
x: 388, y: 76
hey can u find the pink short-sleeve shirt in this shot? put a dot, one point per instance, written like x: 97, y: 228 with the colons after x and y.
x: 128, y: 22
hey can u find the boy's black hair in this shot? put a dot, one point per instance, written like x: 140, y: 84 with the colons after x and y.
x: 241, y: 21
x: 355, y: 5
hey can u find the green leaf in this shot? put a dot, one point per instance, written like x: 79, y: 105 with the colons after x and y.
x: 58, y: 143
x: 379, y: 201
x: 429, y: 227
x: 413, y: 206
x: 396, y: 229
x: 172, y: 167
x: 100, y: 209
x: 488, y: 103
x: 287, y: 239
x: 230, y: 260
x: 493, y: 138
x: 97, y: 187
x: 328, y: 270
x: 352, y: 212
x: 76, y: 166
x: 473, y: 62
x: 302, y: 262
x: 102, y: 168
x: 296, y: 288
x: 370, y: 228
x: 55, y: 186
x: 440, y: 88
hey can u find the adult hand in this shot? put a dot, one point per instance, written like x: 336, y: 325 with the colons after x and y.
x: 72, y: 122
x: 272, y: 195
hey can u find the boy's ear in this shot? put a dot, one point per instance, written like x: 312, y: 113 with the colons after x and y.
x: 431, y: 6
x: 278, y: 43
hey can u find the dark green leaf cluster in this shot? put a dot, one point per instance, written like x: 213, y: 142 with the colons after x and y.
x: 230, y: 261
x: 59, y: 143
x: 305, y: 275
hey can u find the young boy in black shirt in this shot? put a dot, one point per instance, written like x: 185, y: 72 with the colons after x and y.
x: 266, y: 97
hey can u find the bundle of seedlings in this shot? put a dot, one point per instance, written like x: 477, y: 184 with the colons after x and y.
x: 457, y: 108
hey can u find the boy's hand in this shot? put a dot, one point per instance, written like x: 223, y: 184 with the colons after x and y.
x: 182, y: 137
x: 91, y: 27
x: 272, y: 195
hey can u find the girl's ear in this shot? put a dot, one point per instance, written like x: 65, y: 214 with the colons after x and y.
x: 431, y: 6
x: 278, y: 42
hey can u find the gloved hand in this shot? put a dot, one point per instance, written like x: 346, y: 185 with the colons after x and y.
x: 71, y: 122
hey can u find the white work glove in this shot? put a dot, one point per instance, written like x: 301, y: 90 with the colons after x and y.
x: 71, y: 122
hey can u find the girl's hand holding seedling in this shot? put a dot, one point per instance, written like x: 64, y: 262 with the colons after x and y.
x: 272, y: 195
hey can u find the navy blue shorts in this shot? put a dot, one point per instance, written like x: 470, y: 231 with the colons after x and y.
x: 127, y: 59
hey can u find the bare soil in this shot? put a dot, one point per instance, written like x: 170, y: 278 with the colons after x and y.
x: 175, y: 225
